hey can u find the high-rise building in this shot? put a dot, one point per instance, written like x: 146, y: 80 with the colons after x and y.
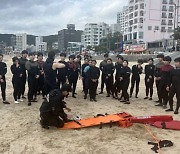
x: 93, y: 32
x: 68, y: 35
x: 150, y: 20
x: 121, y: 17
x: 40, y: 45
x: 115, y: 28
x: 21, y: 42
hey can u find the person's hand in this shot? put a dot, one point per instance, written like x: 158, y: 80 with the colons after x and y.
x: 148, y: 80
x: 17, y: 64
x: 121, y: 78
x: 2, y: 80
x: 80, y: 77
x: 109, y: 74
x: 94, y: 80
x: 106, y: 77
x: 139, y: 66
x: 0, y: 76
x: 68, y: 109
x: 37, y: 76
x: 167, y: 88
x: 57, y: 80
x: 20, y: 75
x: 150, y: 77
x: 42, y: 72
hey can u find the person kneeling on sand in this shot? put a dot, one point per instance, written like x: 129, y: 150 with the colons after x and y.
x: 52, y: 109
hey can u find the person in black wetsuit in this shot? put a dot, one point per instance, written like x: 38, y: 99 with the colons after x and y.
x: 40, y: 82
x: 3, y: 71
x: 93, y: 74
x: 62, y: 73
x: 165, y: 78
x: 125, y: 78
x: 101, y: 67
x: 117, y: 87
x: 175, y: 86
x: 52, y: 109
x: 33, y: 76
x: 158, y: 74
x: 22, y: 62
x: 135, y: 79
x: 109, y: 78
x: 86, y: 63
x: 50, y: 72
x: 73, y: 72
x: 149, y: 78
x: 16, y: 79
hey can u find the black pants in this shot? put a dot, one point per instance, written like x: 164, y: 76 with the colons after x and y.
x: 84, y: 83
x: 92, y: 89
x: 102, y: 82
x: 117, y: 87
x: 109, y: 85
x: 73, y: 82
x: 32, y: 85
x: 86, y: 86
x: 49, y: 119
x: 61, y: 81
x: 174, y: 90
x: 40, y: 85
x: 164, y: 94
x: 17, y: 89
x: 49, y: 85
x: 3, y: 90
x: 149, y: 86
x: 23, y: 85
x: 125, y: 85
x: 135, y: 80
x: 158, y: 90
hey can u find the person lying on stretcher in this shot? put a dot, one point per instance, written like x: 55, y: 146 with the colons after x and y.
x: 52, y: 108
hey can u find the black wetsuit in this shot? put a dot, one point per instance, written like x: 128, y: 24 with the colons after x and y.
x: 93, y: 74
x: 33, y: 71
x: 17, y: 81
x: 22, y: 62
x: 175, y: 88
x: 125, y: 75
x: 135, y: 79
x: 84, y: 76
x: 52, y: 112
x: 50, y: 76
x: 62, y: 74
x: 101, y: 67
x: 108, y: 74
x: 3, y: 71
x: 149, y: 79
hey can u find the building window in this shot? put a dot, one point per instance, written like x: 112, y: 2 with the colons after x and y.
x: 156, y: 28
x: 163, y: 29
x: 164, y: 15
x: 170, y: 15
x: 149, y: 27
x: 141, y: 35
x: 171, y: 2
x: 135, y: 21
x: 164, y: 8
x: 141, y: 20
x: 170, y: 29
x: 170, y: 22
x: 163, y: 22
x: 164, y: 1
x: 142, y: 6
x: 171, y: 8
x: 135, y: 14
x: 141, y: 13
x: 136, y: 6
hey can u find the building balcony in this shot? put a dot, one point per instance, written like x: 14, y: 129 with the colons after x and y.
x: 164, y: 2
x: 170, y: 17
x: 163, y: 16
x: 170, y: 24
x: 171, y: 10
x: 164, y: 9
x: 163, y: 23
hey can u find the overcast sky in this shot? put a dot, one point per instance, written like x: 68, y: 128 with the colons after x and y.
x: 45, y: 17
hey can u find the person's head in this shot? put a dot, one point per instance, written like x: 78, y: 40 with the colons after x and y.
x: 90, y: 62
x: 93, y: 63
x: 71, y: 58
x: 32, y: 56
x: 15, y: 60
x: 66, y: 88
x: 106, y: 56
x: 78, y: 58
x: 109, y: 61
x: 177, y: 62
x: 51, y: 55
x: 40, y: 56
x: 90, y: 57
x: 86, y: 60
x: 167, y: 60
x: 24, y: 54
x: 120, y: 59
x: 140, y: 61
x: 62, y: 56
x: 150, y: 61
x: 160, y: 57
x: 1, y: 57
x: 125, y: 63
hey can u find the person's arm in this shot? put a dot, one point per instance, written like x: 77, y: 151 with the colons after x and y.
x: 4, y: 70
x: 14, y: 69
x: 57, y: 65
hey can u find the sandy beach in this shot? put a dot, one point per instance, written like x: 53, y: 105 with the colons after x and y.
x: 20, y: 132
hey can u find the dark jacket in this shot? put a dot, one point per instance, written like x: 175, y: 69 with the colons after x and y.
x: 93, y: 73
x: 32, y: 68
x: 102, y: 64
x: 16, y: 71
x: 109, y: 70
x: 149, y: 71
x: 158, y: 69
x: 22, y: 62
x: 3, y: 69
x: 118, y: 68
x: 62, y: 73
x: 125, y: 73
x: 175, y: 78
x: 136, y: 71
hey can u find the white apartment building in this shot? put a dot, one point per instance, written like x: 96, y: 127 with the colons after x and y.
x: 40, y: 45
x: 93, y: 32
x: 121, y: 18
x: 115, y: 28
x: 150, y: 20
x: 21, y: 42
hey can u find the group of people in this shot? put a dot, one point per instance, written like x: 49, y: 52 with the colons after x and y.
x: 44, y: 76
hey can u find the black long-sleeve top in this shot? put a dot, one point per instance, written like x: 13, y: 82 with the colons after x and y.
x: 72, y: 69
x: 93, y: 73
x: 62, y: 73
x: 149, y: 71
x: 22, y: 62
x: 102, y: 64
x: 3, y: 69
x: 16, y: 71
x: 166, y: 74
x: 109, y: 69
x: 136, y: 71
x: 158, y: 69
x: 175, y: 78
x: 125, y: 73
x: 32, y: 68
x: 118, y: 68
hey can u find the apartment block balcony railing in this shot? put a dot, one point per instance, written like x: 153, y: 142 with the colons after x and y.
x: 163, y: 23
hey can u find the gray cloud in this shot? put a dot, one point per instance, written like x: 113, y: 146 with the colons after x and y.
x: 44, y: 17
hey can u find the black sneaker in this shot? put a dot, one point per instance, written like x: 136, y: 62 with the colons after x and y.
x: 157, y: 101
x: 73, y: 96
x: 168, y: 110
x: 6, y: 102
x: 127, y: 102
x: 159, y: 104
x: 95, y: 100
x: 34, y: 100
x: 136, y: 97
x: 145, y: 97
x: 108, y: 96
x: 85, y: 97
x: 150, y: 99
x: 91, y: 100
x: 23, y: 97
x: 164, y: 106
x: 176, y: 112
x: 29, y: 104
x: 101, y: 92
x: 123, y: 101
